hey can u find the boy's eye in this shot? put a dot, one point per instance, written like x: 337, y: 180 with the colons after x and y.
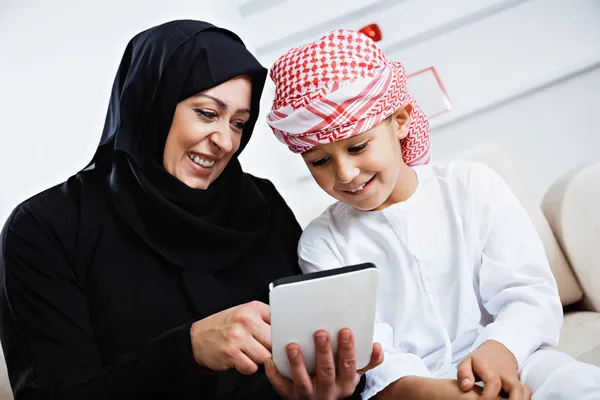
x: 357, y: 149
x: 320, y: 162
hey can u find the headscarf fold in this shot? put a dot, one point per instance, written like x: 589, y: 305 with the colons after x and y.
x: 208, y: 230
x: 339, y: 86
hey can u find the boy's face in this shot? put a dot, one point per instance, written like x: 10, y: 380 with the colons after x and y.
x: 363, y: 171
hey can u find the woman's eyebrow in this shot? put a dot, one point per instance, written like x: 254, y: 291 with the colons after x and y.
x: 221, y: 104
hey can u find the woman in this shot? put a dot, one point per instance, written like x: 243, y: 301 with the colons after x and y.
x: 146, y: 274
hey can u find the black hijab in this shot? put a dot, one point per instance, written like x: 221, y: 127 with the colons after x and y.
x: 205, y: 231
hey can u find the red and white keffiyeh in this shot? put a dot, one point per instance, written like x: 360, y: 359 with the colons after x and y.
x: 340, y: 86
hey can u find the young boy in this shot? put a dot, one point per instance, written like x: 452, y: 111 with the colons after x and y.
x: 467, y: 298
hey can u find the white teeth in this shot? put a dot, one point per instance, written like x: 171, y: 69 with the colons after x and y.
x: 358, y: 189
x: 200, y: 161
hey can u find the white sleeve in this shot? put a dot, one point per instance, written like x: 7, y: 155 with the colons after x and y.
x: 516, y: 285
x: 312, y: 258
x: 322, y: 254
x: 396, y: 365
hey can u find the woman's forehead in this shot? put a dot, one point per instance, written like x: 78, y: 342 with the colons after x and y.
x: 234, y: 93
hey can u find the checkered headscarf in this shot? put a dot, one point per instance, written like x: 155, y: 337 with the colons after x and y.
x: 339, y: 86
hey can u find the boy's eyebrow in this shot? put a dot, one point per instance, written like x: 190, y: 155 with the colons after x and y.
x: 221, y: 104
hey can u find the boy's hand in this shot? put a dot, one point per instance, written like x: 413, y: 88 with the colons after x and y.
x: 496, y: 367
x: 418, y: 388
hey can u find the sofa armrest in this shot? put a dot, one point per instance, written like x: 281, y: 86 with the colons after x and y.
x: 572, y: 207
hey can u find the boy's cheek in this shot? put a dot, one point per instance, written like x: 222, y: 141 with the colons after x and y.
x: 326, y: 184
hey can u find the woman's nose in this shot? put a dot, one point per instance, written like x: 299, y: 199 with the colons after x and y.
x: 223, y: 139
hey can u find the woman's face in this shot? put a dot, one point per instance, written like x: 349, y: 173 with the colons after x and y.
x: 206, y: 132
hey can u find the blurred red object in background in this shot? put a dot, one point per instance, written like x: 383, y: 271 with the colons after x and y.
x: 372, y: 31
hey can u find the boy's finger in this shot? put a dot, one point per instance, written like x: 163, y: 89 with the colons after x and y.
x: 491, y: 379
x: 515, y: 389
x: 465, y: 375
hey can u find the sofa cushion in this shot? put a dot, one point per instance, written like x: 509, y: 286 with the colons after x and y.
x: 580, y: 336
x: 572, y: 207
x: 496, y: 158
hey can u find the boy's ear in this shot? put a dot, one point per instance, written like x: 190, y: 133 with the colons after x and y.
x: 401, y: 121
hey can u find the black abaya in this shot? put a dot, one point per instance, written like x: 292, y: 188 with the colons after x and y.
x: 103, y: 275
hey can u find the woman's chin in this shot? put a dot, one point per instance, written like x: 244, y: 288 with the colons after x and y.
x: 195, y: 182
x: 200, y: 184
x: 193, y: 178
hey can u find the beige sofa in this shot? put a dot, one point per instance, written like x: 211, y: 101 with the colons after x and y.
x: 568, y: 221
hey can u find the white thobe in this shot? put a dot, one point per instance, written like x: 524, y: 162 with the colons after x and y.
x: 460, y: 263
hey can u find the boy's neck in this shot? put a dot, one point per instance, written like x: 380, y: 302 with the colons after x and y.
x: 406, y: 185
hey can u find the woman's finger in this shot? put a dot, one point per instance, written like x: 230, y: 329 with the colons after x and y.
x: 255, y: 351
x: 253, y: 318
x: 243, y: 364
x: 376, y: 358
x: 301, y: 380
x: 282, y: 385
x: 347, y: 374
x: 325, y: 374
x: 262, y: 333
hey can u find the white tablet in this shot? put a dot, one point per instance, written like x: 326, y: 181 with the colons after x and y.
x: 326, y: 300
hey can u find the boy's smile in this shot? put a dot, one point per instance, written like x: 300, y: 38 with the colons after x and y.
x: 360, y: 189
x: 366, y: 171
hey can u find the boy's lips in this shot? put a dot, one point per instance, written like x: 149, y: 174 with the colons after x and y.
x: 359, y: 189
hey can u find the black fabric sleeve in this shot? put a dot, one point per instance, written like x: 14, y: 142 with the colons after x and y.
x: 48, y: 339
x: 288, y: 226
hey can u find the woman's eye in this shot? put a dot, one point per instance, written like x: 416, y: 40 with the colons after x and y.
x: 320, y: 162
x: 239, y: 125
x: 357, y: 149
x: 208, y: 115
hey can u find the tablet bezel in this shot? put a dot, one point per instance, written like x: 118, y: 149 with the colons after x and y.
x: 320, y: 274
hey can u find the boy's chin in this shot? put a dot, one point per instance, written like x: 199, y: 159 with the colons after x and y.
x: 370, y: 204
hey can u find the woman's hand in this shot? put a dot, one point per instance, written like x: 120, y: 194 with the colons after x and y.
x: 334, y: 379
x: 239, y: 337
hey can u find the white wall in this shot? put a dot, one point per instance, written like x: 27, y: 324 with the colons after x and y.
x: 546, y: 133
x: 57, y: 63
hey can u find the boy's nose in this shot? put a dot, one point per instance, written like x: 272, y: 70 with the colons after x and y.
x: 346, y: 172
